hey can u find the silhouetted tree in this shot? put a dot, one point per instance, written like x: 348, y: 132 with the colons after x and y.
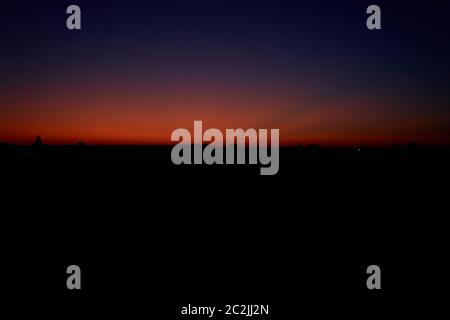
x: 36, y: 146
x: 38, y: 142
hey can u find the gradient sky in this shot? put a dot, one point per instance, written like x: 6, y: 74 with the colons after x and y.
x: 139, y: 69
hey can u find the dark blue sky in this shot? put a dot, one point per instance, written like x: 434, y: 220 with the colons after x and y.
x: 310, y: 68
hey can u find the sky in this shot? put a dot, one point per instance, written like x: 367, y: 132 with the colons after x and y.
x: 137, y: 70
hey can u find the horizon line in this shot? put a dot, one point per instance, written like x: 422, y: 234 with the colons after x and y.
x: 281, y: 145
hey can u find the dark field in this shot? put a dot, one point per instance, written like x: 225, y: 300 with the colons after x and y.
x: 140, y: 226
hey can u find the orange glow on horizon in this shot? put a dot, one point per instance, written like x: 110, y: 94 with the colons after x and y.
x: 135, y: 116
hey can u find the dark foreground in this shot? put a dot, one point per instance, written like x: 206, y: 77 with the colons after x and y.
x: 139, y: 226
